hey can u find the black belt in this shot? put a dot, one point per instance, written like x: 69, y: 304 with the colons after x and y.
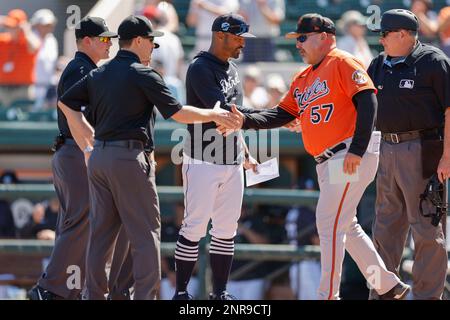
x: 328, y: 153
x: 399, y: 137
x: 70, y: 141
x: 130, y: 144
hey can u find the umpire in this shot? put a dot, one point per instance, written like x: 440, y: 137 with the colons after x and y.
x: 70, y: 178
x: 413, y: 81
x: 121, y: 96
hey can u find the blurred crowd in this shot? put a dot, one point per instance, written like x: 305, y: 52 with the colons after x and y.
x: 30, y: 64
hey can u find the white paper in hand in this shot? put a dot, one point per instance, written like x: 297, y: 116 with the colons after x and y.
x: 336, y: 172
x: 266, y: 171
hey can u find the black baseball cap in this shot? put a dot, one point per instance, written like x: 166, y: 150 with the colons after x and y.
x: 232, y: 23
x: 137, y: 26
x: 397, y: 19
x: 312, y: 22
x: 93, y: 27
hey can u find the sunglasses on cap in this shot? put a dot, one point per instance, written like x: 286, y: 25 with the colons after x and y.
x: 104, y: 39
x: 304, y: 37
x: 237, y: 29
x: 384, y: 34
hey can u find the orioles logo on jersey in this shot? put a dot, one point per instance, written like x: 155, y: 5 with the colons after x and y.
x: 317, y: 90
x: 359, y: 77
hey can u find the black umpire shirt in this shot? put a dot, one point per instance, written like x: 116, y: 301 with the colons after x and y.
x: 121, y: 96
x: 79, y: 67
x: 209, y: 80
x: 414, y: 92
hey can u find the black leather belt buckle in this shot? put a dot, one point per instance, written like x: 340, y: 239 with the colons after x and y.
x: 328, y: 153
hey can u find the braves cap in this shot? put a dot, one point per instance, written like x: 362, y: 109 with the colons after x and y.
x: 312, y: 22
x: 232, y: 23
x: 397, y: 19
x: 93, y: 27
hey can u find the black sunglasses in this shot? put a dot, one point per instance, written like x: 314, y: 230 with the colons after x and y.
x: 384, y: 34
x: 304, y: 37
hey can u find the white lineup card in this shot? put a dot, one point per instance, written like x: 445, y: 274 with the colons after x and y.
x: 266, y: 171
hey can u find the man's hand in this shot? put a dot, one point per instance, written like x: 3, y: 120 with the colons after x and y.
x: 351, y: 163
x: 226, y: 119
x: 443, y: 171
x: 294, y: 126
x: 251, y: 163
x: 238, y: 116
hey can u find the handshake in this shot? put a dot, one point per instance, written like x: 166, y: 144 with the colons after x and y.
x: 226, y: 121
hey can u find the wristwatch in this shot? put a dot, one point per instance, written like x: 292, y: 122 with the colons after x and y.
x: 88, y: 149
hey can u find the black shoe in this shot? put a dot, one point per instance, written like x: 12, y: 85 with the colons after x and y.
x: 182, y: 295
x: 399, y: 292
x: 222, y: 296
x: 39, y: 293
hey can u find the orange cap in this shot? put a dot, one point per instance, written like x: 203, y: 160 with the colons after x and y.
x: 15, y: 17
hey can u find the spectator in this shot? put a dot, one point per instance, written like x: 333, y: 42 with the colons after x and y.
x: 353, y: 26
x: 170, y: 51
x: 444, y: 29
x: 276, y: 88
x: 18, y: 51
x: 255, y: 95
x: 43, y: 22
x: 256, y: 228
x: 169, y: 11
x: 201, y: 16
x: 175, y: 85
x: 42, y: 226
x: 7, y: 227
x: 265, y: 17
x: 428, y: 24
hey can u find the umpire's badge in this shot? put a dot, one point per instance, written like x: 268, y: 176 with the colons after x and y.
x: 406, y: 84
x: 359, y: 77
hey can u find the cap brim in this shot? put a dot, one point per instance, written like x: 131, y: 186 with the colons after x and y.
x: 156, y: 34
x: 247, y: 35
x: 375, y: 30
x: 108, y: 34
x: 292, y: 35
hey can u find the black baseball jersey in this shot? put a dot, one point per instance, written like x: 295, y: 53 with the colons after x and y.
x: 79, y: 67
x: 209, y: 80
x: 414, y: 92
x: 121, y: 96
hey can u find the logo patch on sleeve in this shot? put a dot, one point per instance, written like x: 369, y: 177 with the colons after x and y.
x: 359, y: 77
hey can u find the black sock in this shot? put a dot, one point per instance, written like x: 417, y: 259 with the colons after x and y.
x: 221, y: 257
x: 186, y: 254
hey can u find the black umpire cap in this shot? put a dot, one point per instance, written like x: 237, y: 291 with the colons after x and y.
x: 93, y: 27
x: 312, y: 22
x: 137, y: 26
x: 232, y: 23
x: 396, y: 19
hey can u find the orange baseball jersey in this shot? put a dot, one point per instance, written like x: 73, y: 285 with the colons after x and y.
x: 322, y: 99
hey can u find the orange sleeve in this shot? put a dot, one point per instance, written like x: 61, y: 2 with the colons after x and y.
x: 288, y: 102
x: 353, y: 77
